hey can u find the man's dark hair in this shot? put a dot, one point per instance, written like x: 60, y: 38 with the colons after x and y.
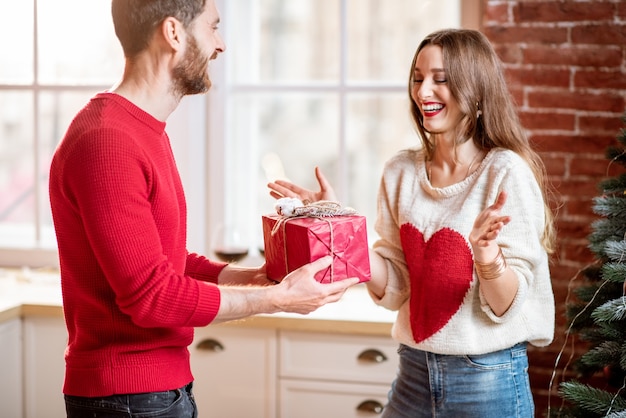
x: 136, y: 20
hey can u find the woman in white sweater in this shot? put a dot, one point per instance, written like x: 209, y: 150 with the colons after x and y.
x: 465, y: 232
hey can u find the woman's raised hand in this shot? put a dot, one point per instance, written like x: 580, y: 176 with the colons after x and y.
x: 283, y: 188
x: 489, y: 223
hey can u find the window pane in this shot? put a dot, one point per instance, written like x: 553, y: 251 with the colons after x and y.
x: 66, y: 57
x: 277, y: 136
x: 318, y: 119
x: 16, y: 60
x: 284, y: 40
x: 384, y: 34
x: 378, y: 125
x: 17, y: 183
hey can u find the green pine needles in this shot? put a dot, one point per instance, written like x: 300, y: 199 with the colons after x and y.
x: 598, y: 315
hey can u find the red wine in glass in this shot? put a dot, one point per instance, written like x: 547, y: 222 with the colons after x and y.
x: 231, y: 254
x: 229, y: 243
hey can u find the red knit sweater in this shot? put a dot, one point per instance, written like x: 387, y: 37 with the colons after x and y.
x: 129, y: 295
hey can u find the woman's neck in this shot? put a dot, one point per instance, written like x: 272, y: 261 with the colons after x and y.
x: 453, y: 164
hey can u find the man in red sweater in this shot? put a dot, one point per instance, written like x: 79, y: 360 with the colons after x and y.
x: 132, y: 293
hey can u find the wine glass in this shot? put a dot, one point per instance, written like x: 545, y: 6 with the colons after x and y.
x: 229, y: 243
x: 259, y: 239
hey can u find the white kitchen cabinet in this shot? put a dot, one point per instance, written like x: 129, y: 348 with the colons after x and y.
x: 11, y: 367
x: 235, y: 372
x: 334, y: 375
x: 45, y: 339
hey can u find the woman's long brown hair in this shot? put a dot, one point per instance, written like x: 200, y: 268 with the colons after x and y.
x: 476, y: 80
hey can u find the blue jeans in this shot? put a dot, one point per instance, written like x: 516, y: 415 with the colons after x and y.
x: 177, y: 403
x: 494, y: 385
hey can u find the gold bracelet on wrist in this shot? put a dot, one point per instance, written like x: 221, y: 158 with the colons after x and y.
x: 493, y: 269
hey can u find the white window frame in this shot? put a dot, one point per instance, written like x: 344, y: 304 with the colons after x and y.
x: 199, y: 133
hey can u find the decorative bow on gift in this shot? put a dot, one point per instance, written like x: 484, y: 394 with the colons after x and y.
x: 292, y: 206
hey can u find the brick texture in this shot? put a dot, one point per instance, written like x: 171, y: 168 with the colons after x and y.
x: 565, y: 62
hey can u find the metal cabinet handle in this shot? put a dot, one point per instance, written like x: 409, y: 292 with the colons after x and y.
x: 210, y: 345
x: 373, y: 356
x: 370, y: 406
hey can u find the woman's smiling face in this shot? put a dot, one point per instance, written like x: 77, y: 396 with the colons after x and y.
x: 430, y: 91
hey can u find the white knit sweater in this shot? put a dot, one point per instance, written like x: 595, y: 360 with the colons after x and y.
x: 432, y: 281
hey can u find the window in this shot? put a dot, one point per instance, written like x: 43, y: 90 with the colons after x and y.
x: 48, y: 71
x: 313, y: 82
x: 302, y: 83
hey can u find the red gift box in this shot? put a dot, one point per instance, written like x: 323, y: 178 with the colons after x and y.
x: 293, y: 242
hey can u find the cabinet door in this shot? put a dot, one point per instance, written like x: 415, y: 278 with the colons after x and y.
x: 11, y: 366
x: 45, y: 339
x: 315, y: 399
x: 235, y: 372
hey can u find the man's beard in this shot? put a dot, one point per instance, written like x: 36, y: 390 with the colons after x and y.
x: 191, y: 75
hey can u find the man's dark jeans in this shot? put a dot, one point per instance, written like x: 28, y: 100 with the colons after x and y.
x: 177, y: 403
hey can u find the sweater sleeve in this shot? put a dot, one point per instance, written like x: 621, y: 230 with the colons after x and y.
x: 520, y: 240
x: 112, y: 186
x: 201, y: 268
x: 389, y: 246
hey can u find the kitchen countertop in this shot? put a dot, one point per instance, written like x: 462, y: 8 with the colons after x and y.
x: 28, y: 292
x: 25, y: 292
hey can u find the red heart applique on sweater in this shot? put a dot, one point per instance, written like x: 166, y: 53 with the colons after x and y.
x: 441, y: 275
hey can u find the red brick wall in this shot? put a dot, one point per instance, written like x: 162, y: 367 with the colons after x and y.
x: 566, y: 66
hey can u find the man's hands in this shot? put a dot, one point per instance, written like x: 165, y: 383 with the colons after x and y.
x: 299, y: 292
x: 282, y: 188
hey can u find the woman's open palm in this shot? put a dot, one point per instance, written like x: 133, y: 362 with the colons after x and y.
x: 283, y: 188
